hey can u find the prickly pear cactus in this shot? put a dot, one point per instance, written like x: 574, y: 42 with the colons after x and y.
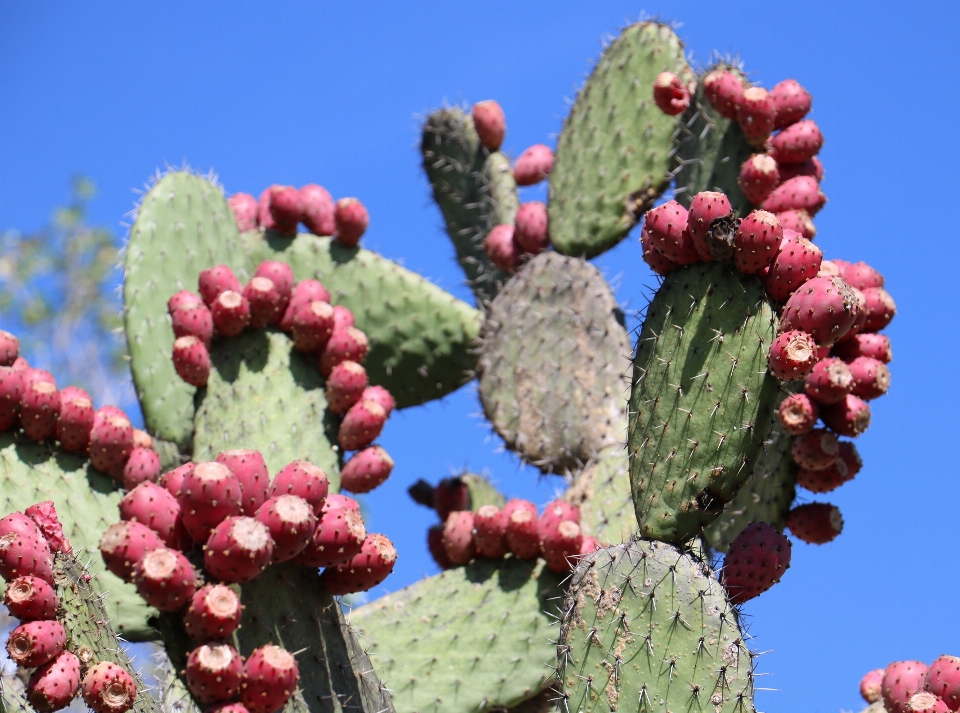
x: 598, y: 490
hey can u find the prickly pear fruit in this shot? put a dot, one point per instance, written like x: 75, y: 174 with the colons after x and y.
x: 490, y: 122
x: 813, y: 168
x: 756, y: 115
x: 797, y: 261
x: 901, y: 680
x: 559, y: 543
x: 143, y: 466
x: 798, y: 414
x: 316, y: 210
x: 11, y: 390
x: 436, y: 548
x: 502, y: 248
x: 533, y: 165
x: 214, y: 673
x: 183, y: 298
x: 859, y: 274
x: 830, y: 380
x: 361, y: 426
x: 279, y: 209
x: 39, y: 410
x: 659, y: 263
x: 793, y: 355
x: 231, y: 313
x: 44, y: 516
x: 943, y: 679
x: 339, y: 536
x: 55, y: 684
x: 797, y: 143
x: 281, y: 275
x: 871, y: 377
x: 32, y: 375
x: 815, y: 450
x: 880, y: 308
x: 850, y: 456
x: 345, y: 386
x: 270, y: 677
x: 266, y: 302
x: 523, y: 537
x: 214, y: 613
x: 352, y: 220
x: 798, y: 221
x: 925, y: 702
x: 208, y: 495
x: 458, y: 537
x: 366, y: 470
x: 342, y: 318
x: 250, y: 470
x: 667, y: 227
x: 555, y: 513
x: 758, y: 177
x: 245, y: 211
x: 490, y: 532
x: 670, y: 94
x: 344, y: 344
x: 824, y: 307
x: 705, y: 207
x: 291, y: 523
x: 531, y: 228
x: 305, y: 480
x: 21, y: 524
x: 10, y: 346
x: 365, y: 571
x: 212, y: 282
x: 30, y: 598
x: 451, y: 494
x: 791, y: 101
x: 25, y: 555
x: 799, y: 193
x: 724, y: 91
x: 36, y: 642
x: 238, y: 550
x: 850, y: 417
x: 193, y: 320
x: 165, y: 579
x: 815, y: 523
x: 756, y: 560
x: 152, y: 505
x: 107, y: 688
x: 124, y: 544
x: 303, y: 293
x: 191, y: 359
x: 870, y: 685
x: 757, y: 242
x: 381, y: 396
x: 172, y: 480
x: 825, y: 480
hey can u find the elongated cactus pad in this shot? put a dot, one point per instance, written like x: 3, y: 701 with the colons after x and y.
x: 551, y: 365
x: 615, y: 152
x: 648, y: 628
x: 700, y: 387
x: 598, y: 490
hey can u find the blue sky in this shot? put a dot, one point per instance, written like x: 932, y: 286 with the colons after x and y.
x: 296, y: 92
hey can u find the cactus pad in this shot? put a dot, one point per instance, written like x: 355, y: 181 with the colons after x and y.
x: 599, y: 490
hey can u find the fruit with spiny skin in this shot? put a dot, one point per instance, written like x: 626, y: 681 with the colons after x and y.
x: 798, y: 143
x: 266, y: 302
x: 523, y: 538
x: 25, y: 554
x: 798, y: 414
x: 53, y: 685
x: 143, y: 466
x: 798, y: 193
x: 362, y: 424
x: 75, y: 422
x: 212, y: 282
x: 793, y: 355
x: 316, y: 210
x: 826, y: 479
x: 9, y: 348
x: 490, y: 122
x: 501, y: 247
x: 291, y: 523
x: 531, y: 228
x: 658, y: 262
x: 758, y: 177
x: 366, y: 470
x: 250, y: 470
x: 208, y: 494
x: 153, y: 506
x: 533, y: 165
x: 870, y: 685
x: 30, y: 598
x: 799, y: 221
x: 705, y: 207
x: 829, y: 382
x: 824, y: 307
x: 849, y: 417
x: 245, y: 211
x: 11, y: 389
x: 231, y: 313
x: 344, y: 344
x: 458, y: 537
x: 339, y: 536
x: 40, y: 410
x: 797, y: 261
x: 172, y: 480
x: 280, y: 209
x: 214, y: 673
x: 670, y: 94
x: 880, y: 308
x: 124, y: 544
x: 943, y: 679
x: 238, y: 549
x: 724, y: 91
x: 815, y: 523
x: 871, y: 377
x: 756, y: 115
x: 304, y: 480
x: 757, y: 242
x: 365, y: 570
x: 667, y: 227
x: 791, y: 101
x: 303, y: 293
x: 193, y: 320
x: 352, y: 219
x: 214, y: 613
x: 816, y: 449
x: 901, y: 680
x: 108, y: 688
x: 925, y: 702
x: 270, y: 676
x: 559, y: 543
x: 191, y: 359
x: 756, y: 561
x: 345, y: 386
x: 490, y: 532
x: 165, y: 579
x: 36, y: 642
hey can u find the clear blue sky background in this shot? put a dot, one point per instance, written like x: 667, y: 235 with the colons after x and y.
x: 287, y: 92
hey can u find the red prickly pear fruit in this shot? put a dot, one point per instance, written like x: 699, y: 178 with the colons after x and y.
x: 555, y: 513
x: 345, y: 386
x: 75, y: 423
x: 813, y: 168
x: 111, y: 440
x: 352, y: 220
x: 365, y: 571
x: 214, y: 613
x: 451, y: 495
x: 901, y: 680
x: 339, y: 536
x: 265, y: 302
x: 44, y: 516
x: 165, y: 579
x: 850, y: 417
x: 792, y: 356
x: 659, y: 263
x: 107, y: 688
x: 68, y: 393
x: 667, y: 227
x: 756, y: 560
x: 342, y: 317
x: 798, y: 221
x: 800, y: 193
x: 490, y: 122
x: 280, y: 274
x: 850, y: 456
x: 215, y: 280
x: 245, y: 211
x: 798, y: 414
x: 670, y: 94
x: 490, y: 532
x: 756, y: 115
x: 381, y: 396
x: 815, y: 450
x: 458, y: 537
x: 824, y: 307
x: 173, y: 479
x: 925, y: 702
x: 270, y: 677
x: 589, y: 545
x: 279, y: 209
x: 797, y: 262
x: 515, y: 504
x: 208, y: 495
x: 214, y: 673
x: 143, y: 466
x: 826, y: 480
x: 361, y: 425
x: 21, y: 364
x: 344, y: 344
x: 559, y: 544
x: 312, y: 326
x: 436, y: 548
x: 40, y: 410
x: 10, y: 345
x: 184, y: 298
x: 36, y: 642
x: 705, y: 207
x: 25, y: 555
x: 21, y: 524
x: 502, y: 248
x: 533, y: 165
x: 815, y: 523
x: 53, y: 685
x: 30, y: 598
x: 151, y: 505
x: 231, y: 313
x: 757, y: 241
x: 291, y: 522
x: 367, y: 470
x: 32, y: 376
x: 859, y: 274
x: 870, y: 685
x: 797, y: 143
x: 193, y: 320
x: 11, y: 390
x: 342, y: 502
x: 871, y: 378
x: 758, y: 177
x: 192, y: 361
x: 305, y: 292
x: 523, y: 537
x: 531, y: 228
x: 250, y: 470
x: 724, y: 91
x: 791, y: 101
x: 316, y: 210
x: 943, y: 679
x: 124, y: 544
x: 829, y: 382
x: 307, y: 481
x: 880, y: 308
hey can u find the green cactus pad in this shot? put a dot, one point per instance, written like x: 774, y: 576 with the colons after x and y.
x: 648, y: 628
x: 86, y: 501
x: 184, y: 225
x: 615, y: 152
x: 700, y: 388
x: 470, y: 639
x: 474, y: 189
x: 551, y: 363
x: 599, y: 490
x: 481, y: 491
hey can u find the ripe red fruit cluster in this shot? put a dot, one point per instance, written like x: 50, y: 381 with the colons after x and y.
x: 755, y: 561
x: 914, y: 687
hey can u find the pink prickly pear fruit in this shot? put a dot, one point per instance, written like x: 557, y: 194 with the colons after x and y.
x: 381, y: 396
x: 306, y: 481
x: 791, y: 101
x: 361, y: 425
x: 215, y: 280
x: 667, y: 227
x: 231, y: 313
x: 141, y: 439
x: 880, y: 308
x: 250, y: 470
x: 291, y: 523
x: 436, y: 548
x: 342, y: 317
x: 245, y: 211
x: 312, y: 326
x: 756, y: 115
x: 10, y: 345
x: 871, y: 377
x: 824, y: 307
x: 589, y: 545
x: 793, y: 355
x: 305, y: 292
x: 797, y: 261
x: 213, y: 614
x: 21, y: 364
x: 143, y: 466
x: 515, y: 504
x: 850, y: 456
x: 208, y: 495
x: 813, y: 168
x: 815, y: 523
x: 151, y: 505
x: 337, y: 501
x: 705, y: 207
x: 797, y: 143
x: 25, y: 555
x: 559, y: 544
x: 757, y: 241
x: 193, y: 320
x: 191, y: 359
x: 756, y: 560
x: 925, y: 702
x: 32, y: 376
x: 279, y: 209
x: 490, y: 532
x: 724, y: 91
x: 830, y: 268
x: 531, y: 228
x: 53, y: 685
x: 317, y: 211
x: 870, y: 685
x: 280, y: 274
x: 670, y: 94
x: 798, y: 221
x: 344, y: 344
x: 21, y: 524
x: 798, y: 414
x: 270, y: 676
x: 800, y: 193
x: 830, y: 380
x: 458, y: 537
x: 901, y: 680
x: 365, y: 570
x: 30, y: 598
x: 44, y: 516
x: 214, y: 673
x: 826, y: 480
x: 555, y: 513
x: 450, y: 495
x: 367, y: 470
x: 165, y: 579
x: 501, y: 247
x: 266, y: 303
x: 758, y: 177
x: 107, y: 688
x: 226, y: 708
x: 36, y: 642
x: 183, y: 298
x: 815, y: 450
x: 850, y: 417
x: 11, y: 391
x: 490, y: 123
x: 339, y: 536
x: 859, y: 274
x: 345, y: 386
x: 523, y: 537
x: 40, y: 410
x: 659, y: 263
x: 352, y: 220
x: 943, y: 679
x: 124, y: 544
x: 173, y: 479
x: 75, y: 423
x: 533, y: 165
